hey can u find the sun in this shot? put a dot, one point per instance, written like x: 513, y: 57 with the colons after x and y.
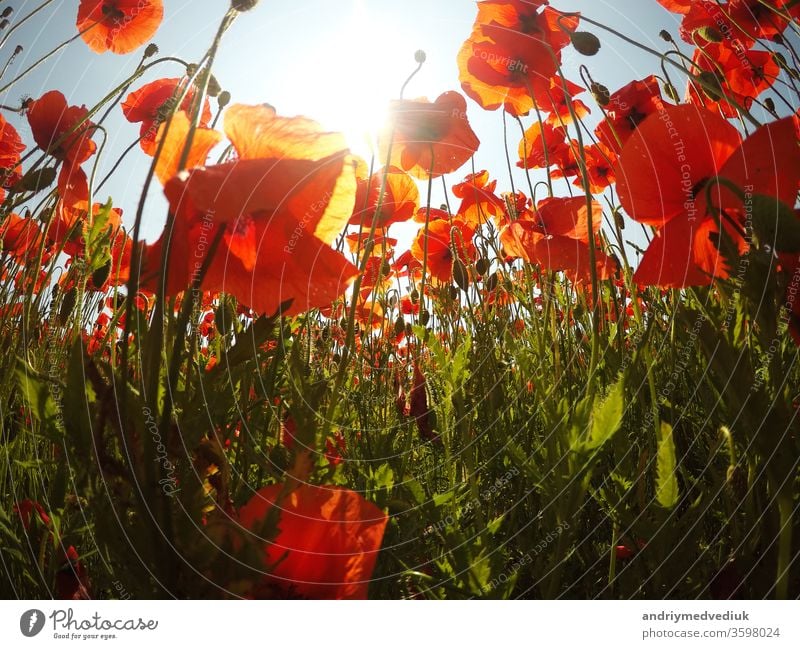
x: 353, y: 74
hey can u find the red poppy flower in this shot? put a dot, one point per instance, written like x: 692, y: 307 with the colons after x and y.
x: 542, y: 146
x: 281, y: 204
x: 430, y: 138
x: 375, y: 267
x: 627, y: 108
x: 357, y: 240
x: 152, y: 103
x: 441, y: 249
x: 64, y: 132
x: 557, y: 238
x: 20, y: 236
x: 742, y: 76
x: 512, y: 54
x: 559, y: 100
x: 740, y: 21
x: 118, y: 25
x: 26, y: 509
x: 10, y: 148
x: 327, y: 544
x: 431, y: 214
x: 400, y: 199
x: 203, y: 141
x: 676, y: 6
x: 600, y: 162
x: 478, y: 200
x: 663, y: 174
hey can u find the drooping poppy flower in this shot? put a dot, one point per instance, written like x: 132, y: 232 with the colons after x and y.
x: 446, y: 242
x: 627, y: 108
x: 10, y: 148
x: 556, y: 237
x: 327, y: 543
x: 152, y: 103
x: 418, y: 407
x: 64, y: 132
x: 542, y: 146
x: 399, y: 203
x: 512, y: 54
x: 120, y: 26
x: 279, y: 205
x: 741, y: 75
x: 478, y: 199
x: 663, y: 176
x: 429, y: 138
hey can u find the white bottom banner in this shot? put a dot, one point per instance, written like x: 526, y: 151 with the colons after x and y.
x: 416, y: 624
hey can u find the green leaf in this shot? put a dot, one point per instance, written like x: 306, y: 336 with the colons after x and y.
x: 666, y: 478
x: 607, y: 416
x: 775, y: 224
x: 38, y: 399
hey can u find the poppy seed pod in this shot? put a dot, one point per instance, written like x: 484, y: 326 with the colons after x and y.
x: 711, y: 34
x: 586, y: 43
x: 223, y: 99
x: 243, y: 5
x: 420, y: 56
x: 600, y: 93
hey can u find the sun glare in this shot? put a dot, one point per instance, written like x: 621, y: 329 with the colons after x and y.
x: 355, y: 73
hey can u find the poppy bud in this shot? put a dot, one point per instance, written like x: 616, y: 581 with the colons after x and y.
x: 3, y: 23
x: 770, y: 106
x: 586, y: 43
x: 672, y: 93
x: 67, y: 305
x: 223, y: 99
x: 460, y: 274
x: 618, y: 220
x: 491, y: 283
x: 213, y: 86
x: 600, y: 93
x: 17, y: 50
x: 711, y: 34
x: 243, y: 5
x: 665, y: 36
x: 37, y: 179
x: 711, y: 85
x: 454, y: 292
x: 414, y: 296
x: 482, y: 266
x: 424, y: 317
x: 100, y: 275
x: 150, y: 50
x: 399, y: 326
x: 420, y: 56
x: 7, y: 12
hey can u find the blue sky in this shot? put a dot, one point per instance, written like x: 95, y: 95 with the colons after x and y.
x: 337, y: 62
